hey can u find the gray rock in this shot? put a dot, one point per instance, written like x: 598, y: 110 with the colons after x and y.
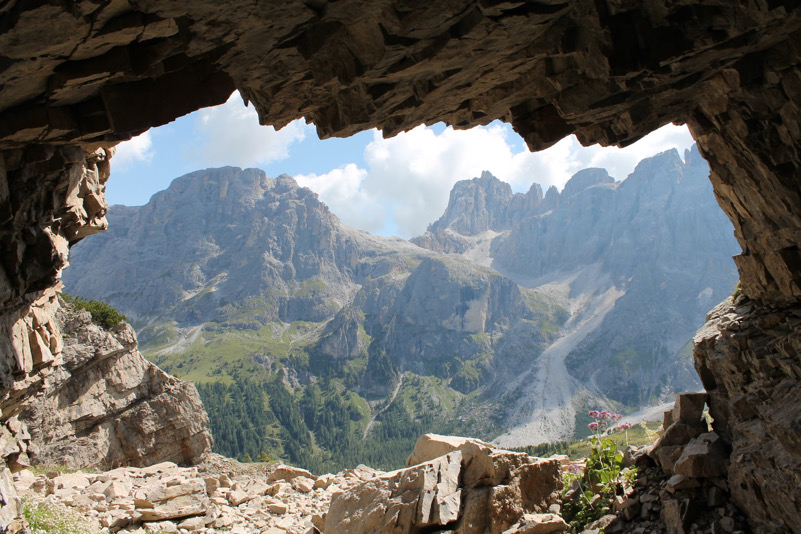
x: 703, y: 457
x: 105, y: 405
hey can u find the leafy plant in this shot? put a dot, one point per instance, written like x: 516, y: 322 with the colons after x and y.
x: 590, y: 492
x: 102, y: 314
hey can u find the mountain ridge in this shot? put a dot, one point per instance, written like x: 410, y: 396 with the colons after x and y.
x: 258, y: 280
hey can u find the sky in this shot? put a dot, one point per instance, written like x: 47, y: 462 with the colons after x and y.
x: 395, y: 186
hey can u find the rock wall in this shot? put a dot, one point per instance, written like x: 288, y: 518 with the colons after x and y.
x: 14, y: 457
x: 106, y: 406
x: 748, y: 360
x: 86, y: 75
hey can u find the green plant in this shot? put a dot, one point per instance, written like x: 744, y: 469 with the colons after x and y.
x: 738, y: 289
x: 49, y: 519
x: 590, y: 492
x: 102, y: 314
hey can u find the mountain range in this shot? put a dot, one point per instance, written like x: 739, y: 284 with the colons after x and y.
x: 507, y: 319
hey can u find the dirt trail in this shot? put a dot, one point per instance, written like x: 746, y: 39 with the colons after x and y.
x: 382, y: 410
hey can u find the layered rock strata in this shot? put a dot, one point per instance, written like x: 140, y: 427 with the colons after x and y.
x: 106, y: 406
x: 748, y: 360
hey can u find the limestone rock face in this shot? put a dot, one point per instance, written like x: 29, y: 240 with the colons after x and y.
x: 471, y: 489
x: 748, y: 360
x: 106, y: 406
x: 655, y: 237
x: 430, y: 446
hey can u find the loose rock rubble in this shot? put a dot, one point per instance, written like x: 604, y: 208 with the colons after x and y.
x: 454, y: 485
x: 220, y: 495
x: 472, y: 488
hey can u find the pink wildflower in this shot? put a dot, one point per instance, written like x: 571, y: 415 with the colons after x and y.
x: 605, y: 415
x: 575, y: 468
x: 624, y: 426
x: 595, y: 413
x: 593, y: 426
x: 616, y: 416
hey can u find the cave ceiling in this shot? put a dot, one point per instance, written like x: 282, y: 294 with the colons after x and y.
x: 610, y: 71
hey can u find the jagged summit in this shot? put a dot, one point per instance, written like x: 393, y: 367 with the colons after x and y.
x: 627, y: 258
x: 476, y: 205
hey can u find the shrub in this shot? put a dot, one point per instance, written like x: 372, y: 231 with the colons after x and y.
x: 102, y: 314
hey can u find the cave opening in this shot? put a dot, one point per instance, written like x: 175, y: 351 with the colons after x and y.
x: 603, y: 70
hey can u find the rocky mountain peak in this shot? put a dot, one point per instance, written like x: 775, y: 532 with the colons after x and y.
x: 551, y: 199
x: 476, y: 205
x: 584, y: 179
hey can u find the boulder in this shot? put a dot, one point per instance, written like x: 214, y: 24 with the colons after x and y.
x: 400, y: 501
x: 689, y: 409
x: 430, y: 446
x: 159, y: 501
x: 667, y: 449
x: 704, y: 457
x: 286, y: 473
x: 472, y: 489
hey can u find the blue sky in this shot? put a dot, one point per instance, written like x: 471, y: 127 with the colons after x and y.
x: 393, y: 186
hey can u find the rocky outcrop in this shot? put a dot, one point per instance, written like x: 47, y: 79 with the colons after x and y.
x: 680, y: 483
x: 50, y: 197
x: 748, y: 361
x: 105, y: 406
x: 15, y: 450
x: 474, y: 488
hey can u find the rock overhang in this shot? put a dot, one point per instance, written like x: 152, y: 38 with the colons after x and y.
x: 608, y: 71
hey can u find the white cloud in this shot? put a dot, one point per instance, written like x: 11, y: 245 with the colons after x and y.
x: 232, y: 136
x: 620, y: 162
x: 340, y: 189
x: 138, y: 149
x: 408, y: 177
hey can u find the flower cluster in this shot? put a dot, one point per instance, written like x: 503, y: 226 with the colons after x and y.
x: 603, y: 422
